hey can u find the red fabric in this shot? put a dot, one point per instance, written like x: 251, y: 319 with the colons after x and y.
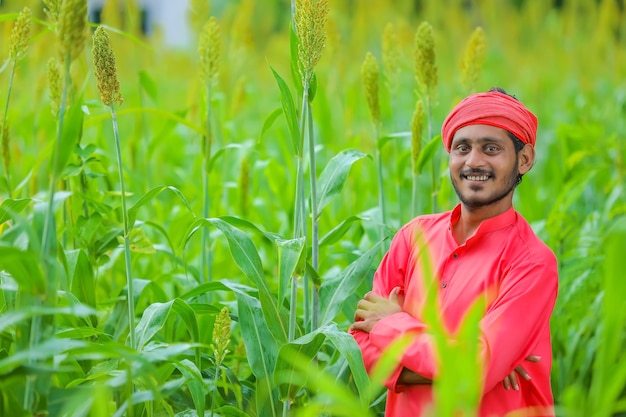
x: 503, y: 258
x: 494, y: 109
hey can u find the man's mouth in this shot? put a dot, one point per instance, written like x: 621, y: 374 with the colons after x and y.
x: 477, y: 177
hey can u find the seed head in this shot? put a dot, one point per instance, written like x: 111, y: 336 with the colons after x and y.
x: 369, y: 73
x: 310, y: 19
x: 105, y: 68
x: 425, y: 67
x: 20, y: 35
x: 221, y: 336
x: 473, y: 59
x: 72, y: 28
x: 417, y: 127
x: 210, y: 49
x: 52, y: 9
x: 54, y: 85
x: 391, y: 58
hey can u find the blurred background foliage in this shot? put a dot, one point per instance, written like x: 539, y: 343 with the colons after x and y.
x: 564, y: 59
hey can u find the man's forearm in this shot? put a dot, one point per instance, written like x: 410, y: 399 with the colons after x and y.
x: 408, y: 377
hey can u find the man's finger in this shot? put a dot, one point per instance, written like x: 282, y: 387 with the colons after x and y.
x: 507, y: 382
x: 522, y: 372
x: 393, y: 295
x: 533, y: 358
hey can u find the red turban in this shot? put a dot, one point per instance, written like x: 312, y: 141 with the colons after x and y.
x: 494, y: 109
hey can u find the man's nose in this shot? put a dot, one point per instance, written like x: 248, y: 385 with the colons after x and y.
x: 475, y: 159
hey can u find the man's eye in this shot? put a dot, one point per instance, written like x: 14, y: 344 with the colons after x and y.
x: 491, y: 148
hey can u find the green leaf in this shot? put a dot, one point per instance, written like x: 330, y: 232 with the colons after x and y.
x: 383, y: 140
x: 427, y: 153
x: 10, y: 206
x: 25, y: 268
x: 132, y: 212
x: 82, y: 279
x: 148, y: 85
x: 194, y: 382
x: 338, y: 231
x: 155, y: 316
x: 217, y: 155
x: 289, y: 110
x: 248, y: 260
x: 261, y: 350
x: 70, y: 137
x: 350, y: 350
x: 304, y: 349
x: 269, y: 121
x: 289, y: 256
x: 334, y: 176
x: 333, y: 292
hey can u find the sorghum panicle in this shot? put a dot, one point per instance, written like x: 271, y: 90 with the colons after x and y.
x: 425, y: 67
x: 311, y: 17
x: 391, y: 58
x: 20, y: 35
x: 209, y: 49
x: 52, y: 9
x: 105, y: 68
x: 473, y: 59
x: 72, y: 28
x: 417, y: 127
x: 221, y: 335
x: 370, y: 74
x: 54, y: 85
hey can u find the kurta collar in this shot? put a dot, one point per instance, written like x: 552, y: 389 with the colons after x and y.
x: 488, y: 225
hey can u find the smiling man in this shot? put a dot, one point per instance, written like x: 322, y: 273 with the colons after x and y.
x: 482, y: 248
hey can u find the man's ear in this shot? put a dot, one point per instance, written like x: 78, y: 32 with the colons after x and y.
x: 526, y: 159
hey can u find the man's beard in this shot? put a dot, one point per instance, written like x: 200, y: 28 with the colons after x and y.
x: 497, y: 195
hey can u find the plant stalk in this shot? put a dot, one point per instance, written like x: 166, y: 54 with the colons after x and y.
x: 206, y: 274
x: 127, y: 228
x: 314, y: 217
x: 4, y: 120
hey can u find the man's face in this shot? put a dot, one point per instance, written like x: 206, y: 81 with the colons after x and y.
x: 483, y: 166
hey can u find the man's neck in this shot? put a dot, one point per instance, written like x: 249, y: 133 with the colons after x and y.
x: 471, y: 218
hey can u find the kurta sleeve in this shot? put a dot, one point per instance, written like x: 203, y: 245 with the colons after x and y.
x: 510, y: 329
x: 390, y: 274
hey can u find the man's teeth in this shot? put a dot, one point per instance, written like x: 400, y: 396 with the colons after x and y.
x: 477, y: 177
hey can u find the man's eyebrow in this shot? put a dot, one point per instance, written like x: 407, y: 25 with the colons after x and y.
x: 484, y: 139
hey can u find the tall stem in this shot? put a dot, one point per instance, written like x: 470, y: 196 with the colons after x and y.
x: 127, y: 228
x: 381, y: 186
x: 3, y: 126
x: 205, y: 262
x: 433, y: 165
x: 314, y: 215
x: 301, y: 196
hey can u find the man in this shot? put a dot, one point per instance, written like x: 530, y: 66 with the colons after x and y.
x: 482, y: 248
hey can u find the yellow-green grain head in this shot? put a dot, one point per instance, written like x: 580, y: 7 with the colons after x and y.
x: 391, y: 58
x: 105, y: 68
x: 425, y: 66
x: 210, y: 50
x: 473, y: 59
x: 55, y: 86
x: 221, y: 335
x: 72, y: 29
x: 370, y: 75
x: 52, y: 8
x: 20, y: 35
x: 310, y: 20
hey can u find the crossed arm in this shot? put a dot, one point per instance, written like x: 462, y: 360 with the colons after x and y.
x: 372, y: 308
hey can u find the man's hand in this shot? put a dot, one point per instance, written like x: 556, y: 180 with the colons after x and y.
x: 510, y: 381
x: 373, y: 307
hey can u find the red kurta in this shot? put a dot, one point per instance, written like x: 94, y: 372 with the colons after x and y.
x: 503, y: 260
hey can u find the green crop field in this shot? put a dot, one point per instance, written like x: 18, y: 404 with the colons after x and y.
x: 186, y: 231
